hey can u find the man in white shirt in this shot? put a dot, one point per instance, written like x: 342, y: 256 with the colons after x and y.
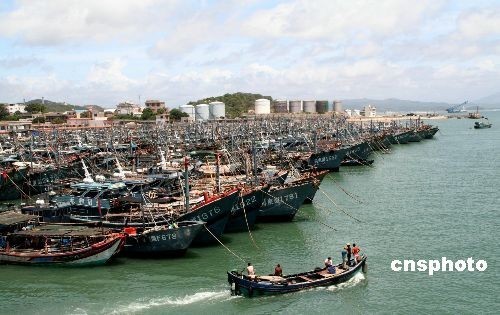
x: 328, y: 262
x: 250, y: 270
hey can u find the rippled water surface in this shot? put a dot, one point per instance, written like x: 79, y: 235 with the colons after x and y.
x: 424, y: 200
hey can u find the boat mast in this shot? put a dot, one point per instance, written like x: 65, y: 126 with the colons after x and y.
x: 217, y: 171
x: 186, y: 183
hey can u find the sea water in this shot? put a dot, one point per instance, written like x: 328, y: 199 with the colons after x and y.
x: 426, y: 200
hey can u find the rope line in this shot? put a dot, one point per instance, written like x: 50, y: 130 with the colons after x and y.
x: 340, y: 208
x: 234, y: 254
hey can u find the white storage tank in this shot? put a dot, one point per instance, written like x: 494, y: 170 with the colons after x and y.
x: 188, y: 109
x: 202, y: 112
x: 337, y: 106
x: 217, y: 110
x: 295, y: 106
x: 262, y: 106
x: 309, y: 106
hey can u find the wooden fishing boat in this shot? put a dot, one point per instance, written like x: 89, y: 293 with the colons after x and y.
x: 61, y: 245
x: 268, y: 285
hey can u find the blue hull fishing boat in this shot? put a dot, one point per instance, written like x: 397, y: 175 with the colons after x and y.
x: 282, y: 203
x: 215, y: 213
x: 244, y: 213
x: 250, y: 286
x: 161, y: 241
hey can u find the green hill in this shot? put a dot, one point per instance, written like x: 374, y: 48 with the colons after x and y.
x: 59, y: 107
x: 236, y: 103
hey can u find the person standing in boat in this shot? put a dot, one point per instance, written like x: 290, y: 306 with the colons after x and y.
x: 278, y: 271
x: 355, y: 252
x: 250, y: 270
x: 348, y: 249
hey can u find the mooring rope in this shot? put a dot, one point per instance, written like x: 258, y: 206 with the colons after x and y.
x: 298, y: 210
x: 233, y: 253
x: 246, y: 221
x: 18, y: 187
x: 352, y: 195
x: 340, y: 208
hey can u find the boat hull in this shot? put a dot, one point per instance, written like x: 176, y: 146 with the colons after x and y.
x: 244, y: 214
x: 283, y: 203
x: 96, y: 254
x: 215, y: 214
x: 171, y: 242
x: 252, y: 288
x: 328, y: 160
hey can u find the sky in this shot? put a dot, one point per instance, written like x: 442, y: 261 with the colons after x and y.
x: 108, y: 51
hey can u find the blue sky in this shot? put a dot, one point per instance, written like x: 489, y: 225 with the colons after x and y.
x: 105, y: 52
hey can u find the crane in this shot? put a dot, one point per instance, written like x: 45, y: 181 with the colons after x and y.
x: 457, y: 108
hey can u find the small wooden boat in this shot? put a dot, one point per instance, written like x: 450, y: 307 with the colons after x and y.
x: 61, y: 245
x: 268, y: 285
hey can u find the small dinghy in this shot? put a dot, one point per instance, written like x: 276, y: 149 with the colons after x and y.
x: 267, y: 285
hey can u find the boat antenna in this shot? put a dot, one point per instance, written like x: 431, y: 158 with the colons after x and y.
x: 88, y: 177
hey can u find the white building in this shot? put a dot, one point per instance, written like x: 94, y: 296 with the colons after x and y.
x: 12, y: 108
x: 370, y: 111
x: 128, y: 108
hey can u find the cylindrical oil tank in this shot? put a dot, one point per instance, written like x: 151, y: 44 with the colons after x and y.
x: 337, y: 106
x: 280, y: 106
x: 217, y: 110
x: 202, y: 112
x: 295, y: 106
x: 309, y: 106
x: 188, y: 109
x: 262, y: 106
x: 321, y: 107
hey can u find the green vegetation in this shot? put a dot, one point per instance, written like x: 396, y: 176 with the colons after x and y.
x: 85, y: 114
x: 126, y: 117
x: 4, y: 113
x: 58, y: 121
x: 236, y: 104
x: 60, y: 107
x: 34, y: 108
x: 148, y: 114
x: 177, y: 114
x: 39, y: 120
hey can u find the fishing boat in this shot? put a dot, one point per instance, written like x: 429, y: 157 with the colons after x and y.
x: 250, y: 286
x: 161, y: 241
x: 281, y: 203
x: 61, y: 245
x: 484, y: 123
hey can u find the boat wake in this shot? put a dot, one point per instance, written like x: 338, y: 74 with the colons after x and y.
x: 357, y: 278
x: 144, y: 304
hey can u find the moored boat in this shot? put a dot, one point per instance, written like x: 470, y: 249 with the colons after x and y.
x: 161, y: 241
x: 282, y: 203
x: 250, y: 286
x: 61, y: 245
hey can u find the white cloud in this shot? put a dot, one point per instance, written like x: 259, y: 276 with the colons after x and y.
x: 50, y: 22
x: 337, y: 19
x: 109, y: 75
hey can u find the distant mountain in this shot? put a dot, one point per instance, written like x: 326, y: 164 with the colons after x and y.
x: 493, y: 99
x: 60, y: 107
